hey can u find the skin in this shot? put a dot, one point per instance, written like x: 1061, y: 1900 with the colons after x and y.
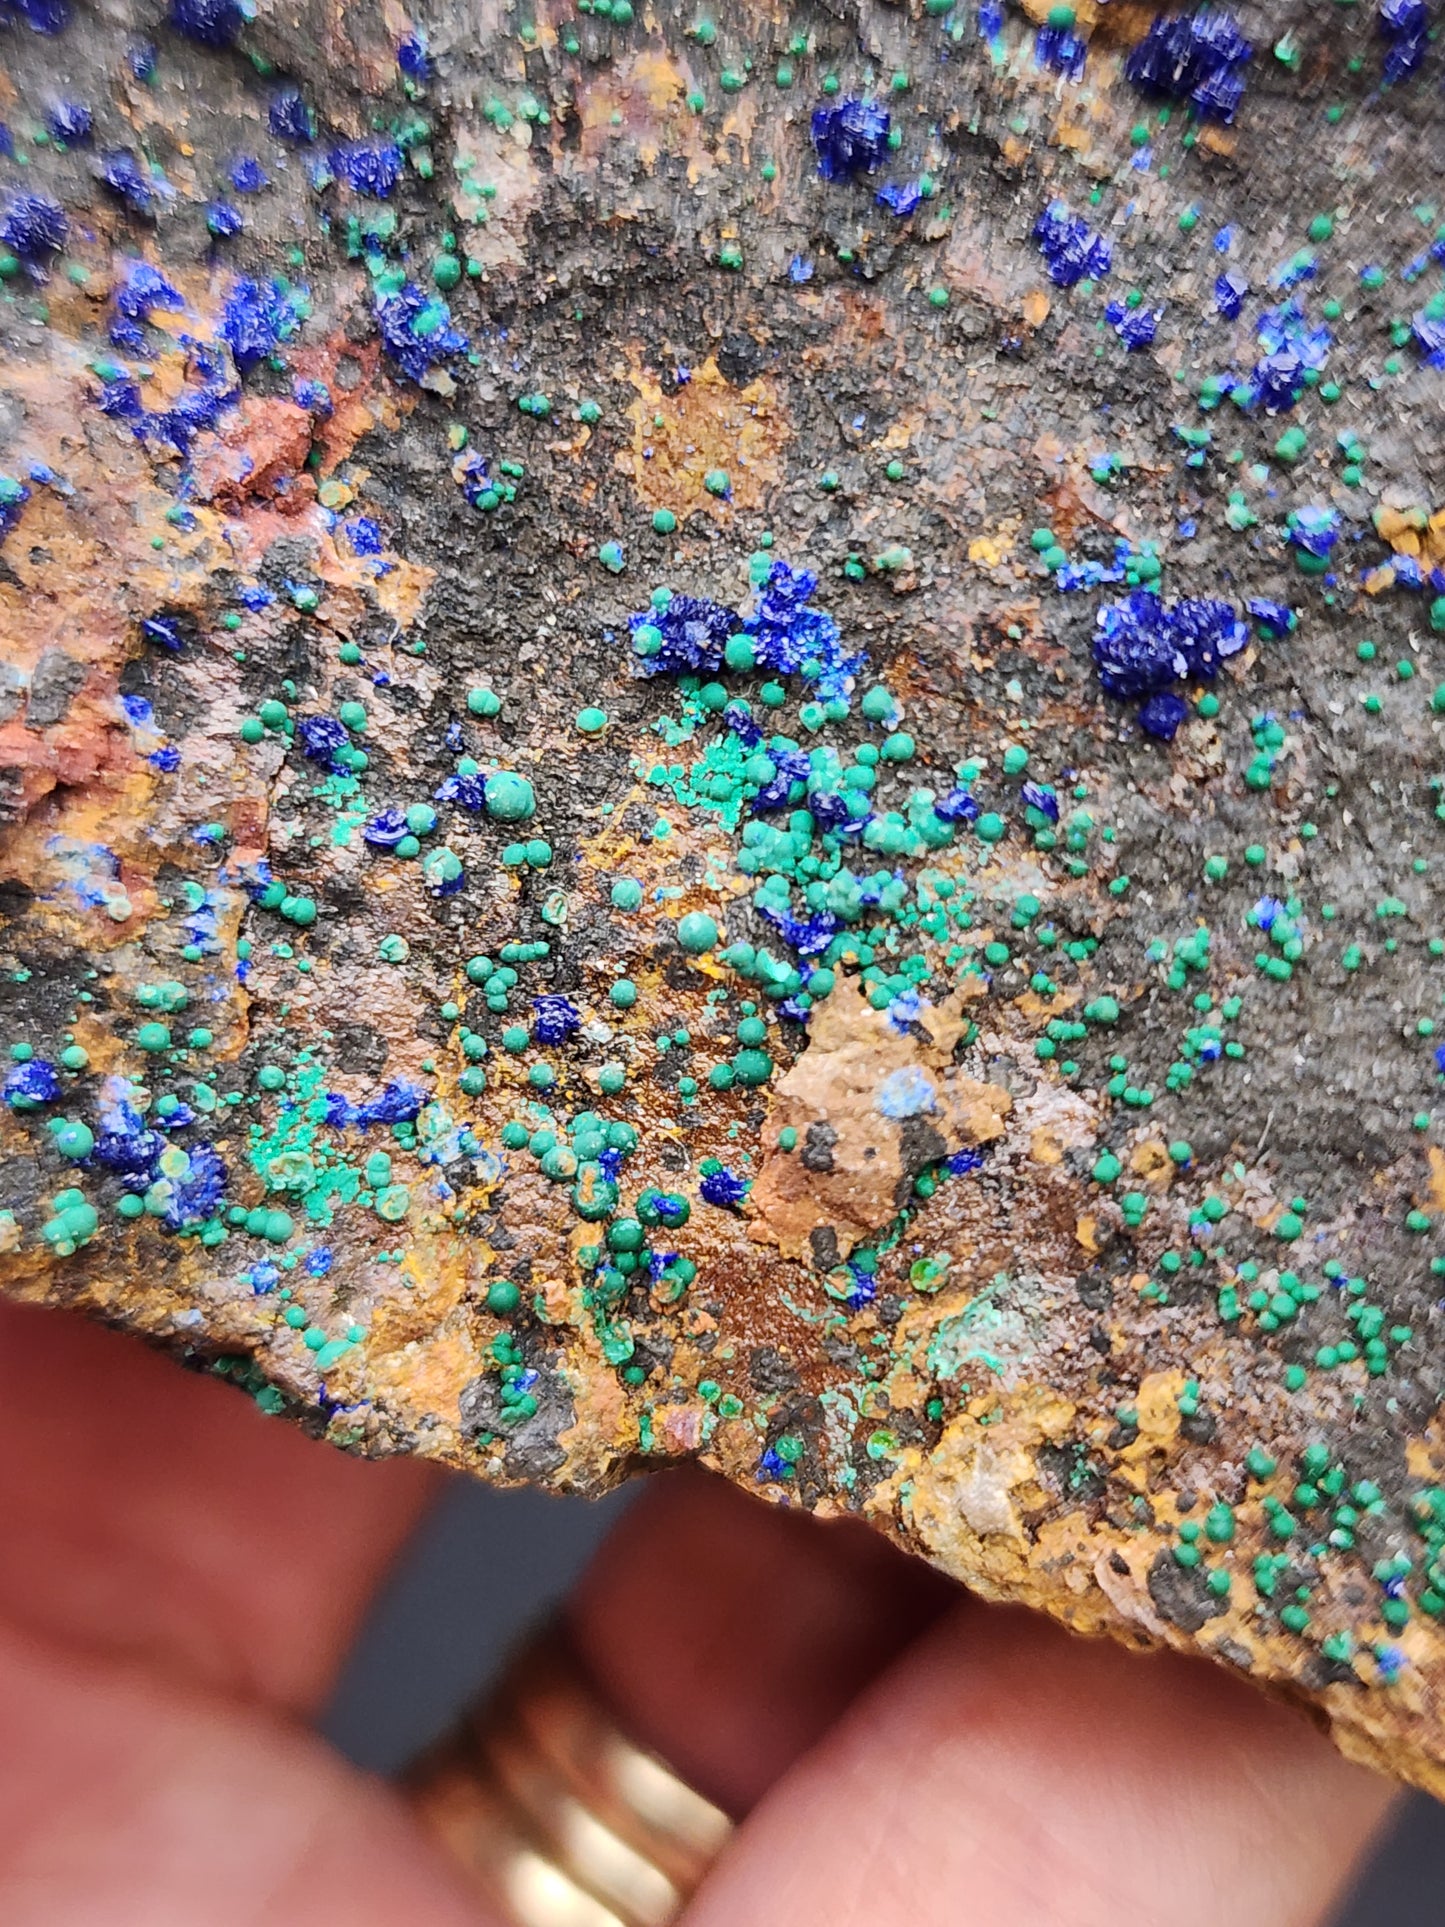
x: 180, y: 1577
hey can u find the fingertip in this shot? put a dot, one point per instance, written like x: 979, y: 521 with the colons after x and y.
x: 1008, y: 1772
x: 157, y: 1512
x: 729, y: 1632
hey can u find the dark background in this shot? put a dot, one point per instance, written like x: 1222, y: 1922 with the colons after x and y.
x: 488, y: 1563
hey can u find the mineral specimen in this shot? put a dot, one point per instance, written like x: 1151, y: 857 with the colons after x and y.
x: 722, y: 739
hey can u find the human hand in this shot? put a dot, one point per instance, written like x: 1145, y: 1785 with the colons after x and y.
x: 180, y: 1578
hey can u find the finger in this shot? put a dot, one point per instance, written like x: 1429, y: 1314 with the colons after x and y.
x: 157, y: 1513
x: 732, y: 1633
x: 1006, y: 1774
x: 129, y: 1802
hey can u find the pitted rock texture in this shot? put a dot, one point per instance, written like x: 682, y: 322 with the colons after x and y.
x: 719, y: 738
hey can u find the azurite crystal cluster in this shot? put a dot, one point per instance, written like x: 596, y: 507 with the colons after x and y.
x: 1144, y: 646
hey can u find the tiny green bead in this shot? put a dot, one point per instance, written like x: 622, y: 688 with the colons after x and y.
x: 697, y: 932
x: 73, y: 1139
x: 503, y: 1297
x: 509, y: 797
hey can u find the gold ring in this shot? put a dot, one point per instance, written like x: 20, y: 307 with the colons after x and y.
x: 556, y: 1817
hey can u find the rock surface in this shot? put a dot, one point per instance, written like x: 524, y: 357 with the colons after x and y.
x: 502, y: 963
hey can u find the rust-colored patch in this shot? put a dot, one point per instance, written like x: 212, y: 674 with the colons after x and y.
x: 871, y: 1104
x: 639, y: 100
x: 705, y: 425
x: 261, y: 446
x: 1151, y: 1161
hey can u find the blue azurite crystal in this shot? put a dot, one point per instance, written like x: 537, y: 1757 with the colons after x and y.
x: 1428, y: 328
x: 1196, y: 57
x: 791, y: 768
x: 1313, y: 530
x: 1292, y: 349
x: 370, y: 167
x: 850, y: 138
x: 416, y: 330
x: 364, y: 535
x: 321, y: 738
x: 554, y: 1019
x: 223, y: 220
x: 956, y: 806
x: 1034, y: 796
x: 211, y: 23
x: 1135, y: 327
x: 192, y: 1198
x: 1061, y: 50
x: 1161, y: 714
x: 313, y: 396
x: 256, y: 319
x: 386, y: 829
x: 194, y: 411
x: 1207, y: 631
x: 1275, y: 619
x: 468, y: 790
x: 1405, y: 26
x: 687, y: 637
x: 122, y: 174
x: 1070, y: 247
x: 290, y: 119
x: 35, y: 228
x: 126, y: 1146
x: 246, y: 175
x: 1133, y: 646
x: 163, y: 632
x: 1143, y: 644
x: 1229, y: 293
x: 723, y: 1188
x: 27, y: 1086
x: 901, y: 198
x: 792, y: 637
x: 413, y: 59
x: 143, y: 290
x: 397, y: 1102
x: 807, y: 936
x: 41, y: 16
x: 69, y: 122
